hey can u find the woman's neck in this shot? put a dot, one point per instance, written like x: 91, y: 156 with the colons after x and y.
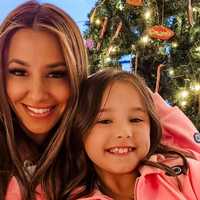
x: 119, y: 187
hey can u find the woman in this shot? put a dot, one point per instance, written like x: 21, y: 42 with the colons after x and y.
x: 42, y: 63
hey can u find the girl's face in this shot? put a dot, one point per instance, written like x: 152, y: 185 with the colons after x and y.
x: 36, y: 81
x: 120, y: 137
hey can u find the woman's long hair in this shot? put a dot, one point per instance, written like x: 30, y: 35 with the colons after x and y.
x: 52, y: 162
x: 84, y: 177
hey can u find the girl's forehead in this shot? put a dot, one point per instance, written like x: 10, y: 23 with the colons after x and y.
x: 119, y: 88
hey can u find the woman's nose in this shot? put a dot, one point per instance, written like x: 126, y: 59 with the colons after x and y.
x: 38, y: 90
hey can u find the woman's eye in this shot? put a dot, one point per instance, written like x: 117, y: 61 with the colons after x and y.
x: 57, y: 74
x: 136, y: 120
x: 17, y: 72
x: 104, y: 121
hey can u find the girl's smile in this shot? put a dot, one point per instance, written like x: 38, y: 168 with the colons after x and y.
x: 120, y: 137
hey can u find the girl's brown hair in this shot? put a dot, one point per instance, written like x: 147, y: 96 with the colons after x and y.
x: 52, y: 166
x: 92, y: 91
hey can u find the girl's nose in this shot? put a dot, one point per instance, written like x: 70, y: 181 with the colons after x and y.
x: 124, y: 131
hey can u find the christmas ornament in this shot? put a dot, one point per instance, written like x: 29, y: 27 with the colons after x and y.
x: 94, y: 12
x: 135, y: 2
x: 105, y: 22
x: 190, y: 12
x: 160, y: 32
x: 158, y: 77
x: 89, y: 43
x: 117, y: 31
x: 170, y: 21
x: 114, y: 36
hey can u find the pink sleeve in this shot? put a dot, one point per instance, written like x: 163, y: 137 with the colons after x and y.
x: 178, y: 130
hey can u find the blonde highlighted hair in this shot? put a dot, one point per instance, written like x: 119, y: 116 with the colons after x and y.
x: 47, y: 17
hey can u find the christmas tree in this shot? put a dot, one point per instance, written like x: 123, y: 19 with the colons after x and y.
x: 158, y: 39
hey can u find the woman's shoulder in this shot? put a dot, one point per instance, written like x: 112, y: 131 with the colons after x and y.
x: 14, y: 193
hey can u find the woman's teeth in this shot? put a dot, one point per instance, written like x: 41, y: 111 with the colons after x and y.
x: 39, y: 110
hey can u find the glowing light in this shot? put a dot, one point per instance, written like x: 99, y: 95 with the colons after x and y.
x: 194, y: 9
x: 133, y: 47
x: 114, y: 49
x: 145, y: 39
x: 97, y: 21
x: 184, y: 93
x: 198, y: 49
x: 174, y: 44
x: 147, y: 14
x: 183, y: 103
x: 107, y: 60
x: 171, y: 72
x: 195, y: 87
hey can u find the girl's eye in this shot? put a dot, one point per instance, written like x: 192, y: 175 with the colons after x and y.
x: 136, y: 120
x: 17, y: 72
x: 57, y: 74
x: 104, y: 121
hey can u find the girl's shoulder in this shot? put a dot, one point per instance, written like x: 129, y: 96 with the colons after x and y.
x: 178, y: 129
x: 175, y: 163
x: 97, y: 195
x: 157, y: 182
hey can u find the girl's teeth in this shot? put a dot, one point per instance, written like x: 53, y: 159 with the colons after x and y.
x: 120, y: 150
x: 39, y: 110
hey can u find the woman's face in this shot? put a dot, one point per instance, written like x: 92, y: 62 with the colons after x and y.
x: 36, y: 81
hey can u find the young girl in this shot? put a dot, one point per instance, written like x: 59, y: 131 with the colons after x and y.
x: 115, y: 145
x: 42, y: 63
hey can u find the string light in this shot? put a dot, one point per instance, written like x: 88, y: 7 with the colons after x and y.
x: 98, y: 21
x: 195, y: 87
x: 171, y: 72
x: 145, y: 39
x: 183, y: 103
x: 107, y: 60
x: 198, y: 48
x: 184, y: 94
x: 174, y: 44
x: 147, y: 14
x: 194, y: 9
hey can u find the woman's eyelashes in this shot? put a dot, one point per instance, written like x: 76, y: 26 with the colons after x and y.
x: 17, y: 71
x: 59, y: 74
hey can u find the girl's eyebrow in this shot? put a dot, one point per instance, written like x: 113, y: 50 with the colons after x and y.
x: 52, y: 65
x: 105, y: 110
x: 138, y: 109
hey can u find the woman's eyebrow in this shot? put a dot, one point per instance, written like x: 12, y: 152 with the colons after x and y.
x: 56, y: 64
x: 21, y: 62
x: 18, y: 61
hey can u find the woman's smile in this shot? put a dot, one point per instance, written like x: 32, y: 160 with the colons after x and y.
x: 39, y: 112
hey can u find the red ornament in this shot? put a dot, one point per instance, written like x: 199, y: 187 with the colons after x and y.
x: 160, y: 32
x: 135, y: 2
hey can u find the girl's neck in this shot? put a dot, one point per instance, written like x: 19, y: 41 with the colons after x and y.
x: 119, y: 187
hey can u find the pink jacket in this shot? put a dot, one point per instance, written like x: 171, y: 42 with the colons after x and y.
x: 13, y: 191
x: 178, y: 131
x: 154, y: 184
